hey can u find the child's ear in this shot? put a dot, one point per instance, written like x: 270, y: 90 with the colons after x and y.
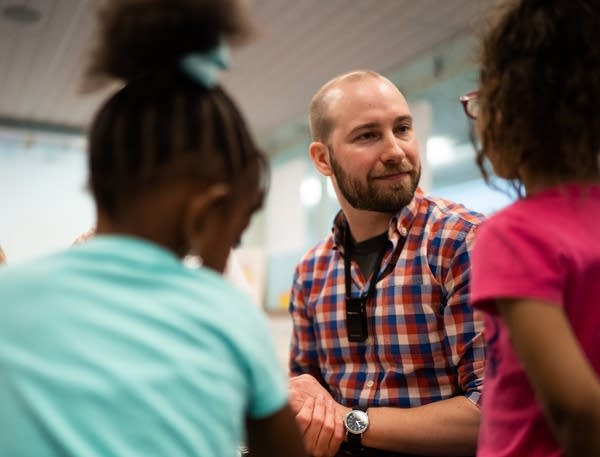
x: 198, y: 227
x: 198, y: 207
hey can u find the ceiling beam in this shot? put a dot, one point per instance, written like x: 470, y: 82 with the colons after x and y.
x: 45, y: 127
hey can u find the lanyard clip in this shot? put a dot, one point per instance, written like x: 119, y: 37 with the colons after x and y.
x: 356, y: 318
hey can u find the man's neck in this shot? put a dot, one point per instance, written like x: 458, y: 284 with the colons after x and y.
x: 366, y: 224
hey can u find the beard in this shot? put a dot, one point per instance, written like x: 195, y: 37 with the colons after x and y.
x: 379, y: 197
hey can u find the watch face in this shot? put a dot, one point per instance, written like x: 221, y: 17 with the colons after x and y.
x: 356, y: 421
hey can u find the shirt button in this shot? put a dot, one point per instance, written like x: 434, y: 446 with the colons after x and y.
x: 369, y: 383
x: 403, y: 231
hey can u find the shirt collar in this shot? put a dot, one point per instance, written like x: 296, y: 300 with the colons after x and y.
x: 399, y: 227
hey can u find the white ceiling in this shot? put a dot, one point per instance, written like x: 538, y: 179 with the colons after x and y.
x: 302, y: 44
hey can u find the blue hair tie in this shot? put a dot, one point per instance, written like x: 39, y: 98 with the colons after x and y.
x: 205, y: 67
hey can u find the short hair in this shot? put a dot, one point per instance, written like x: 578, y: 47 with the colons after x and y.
x: 164, y: 125
x: 540, y: 90
x: 319, y: 120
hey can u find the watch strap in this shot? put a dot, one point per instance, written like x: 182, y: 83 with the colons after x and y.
x: 354, y: 439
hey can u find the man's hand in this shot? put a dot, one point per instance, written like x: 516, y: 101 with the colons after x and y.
x: 318, y: 416
x: 302, y: 387
x: 322, y: 430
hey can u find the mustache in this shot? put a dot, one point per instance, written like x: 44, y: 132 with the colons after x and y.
x: 392, y: 169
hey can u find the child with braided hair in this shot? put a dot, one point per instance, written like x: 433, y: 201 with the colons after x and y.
x: 113, y: 347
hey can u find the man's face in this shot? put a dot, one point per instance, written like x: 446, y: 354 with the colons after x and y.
x: 373, y: 150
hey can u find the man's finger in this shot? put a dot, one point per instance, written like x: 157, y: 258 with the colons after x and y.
x: 304, y: 416
x: 327, y: 429
x: 339, y: 432
x: 311, y: 433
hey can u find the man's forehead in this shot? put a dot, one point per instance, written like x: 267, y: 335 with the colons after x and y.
x: 355, y: 99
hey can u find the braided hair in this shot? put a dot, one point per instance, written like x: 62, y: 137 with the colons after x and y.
x: 163, y: 124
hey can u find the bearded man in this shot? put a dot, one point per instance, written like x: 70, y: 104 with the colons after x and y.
x: 386, y: 354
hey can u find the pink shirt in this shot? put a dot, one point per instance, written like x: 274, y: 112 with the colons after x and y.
x: 545, y: 247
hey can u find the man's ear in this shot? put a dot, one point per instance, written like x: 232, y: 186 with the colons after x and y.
x: 319, y: 154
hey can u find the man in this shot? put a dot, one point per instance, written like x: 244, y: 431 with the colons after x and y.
x: 380, y: 311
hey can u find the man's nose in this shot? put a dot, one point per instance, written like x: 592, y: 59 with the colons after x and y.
x: 392, y: 149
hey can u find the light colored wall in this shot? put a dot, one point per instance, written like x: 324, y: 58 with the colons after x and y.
x: 43, y: 198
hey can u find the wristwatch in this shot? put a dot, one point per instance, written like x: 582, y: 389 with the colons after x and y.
x: 356, y: 422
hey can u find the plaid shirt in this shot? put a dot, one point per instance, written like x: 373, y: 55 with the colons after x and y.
x: 425, y: 342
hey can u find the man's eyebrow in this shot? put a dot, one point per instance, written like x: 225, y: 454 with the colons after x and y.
x: 405, y: 117
x: 370, y: 125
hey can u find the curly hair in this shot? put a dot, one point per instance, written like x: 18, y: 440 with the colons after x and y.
x: 540, y: 90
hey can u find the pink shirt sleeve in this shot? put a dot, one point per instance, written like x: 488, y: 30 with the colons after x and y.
x: 514, y: 259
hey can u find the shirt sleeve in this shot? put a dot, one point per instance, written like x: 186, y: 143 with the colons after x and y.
x: 512, y: 260
x: 463, y: 325
x: 304, y: 357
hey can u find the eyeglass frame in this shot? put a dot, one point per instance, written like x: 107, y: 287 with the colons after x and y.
x: 465, y: 99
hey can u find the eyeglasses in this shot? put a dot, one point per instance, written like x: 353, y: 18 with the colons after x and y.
x: 470, y: 104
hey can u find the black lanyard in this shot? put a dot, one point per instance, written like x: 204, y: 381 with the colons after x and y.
x: 356, y: 307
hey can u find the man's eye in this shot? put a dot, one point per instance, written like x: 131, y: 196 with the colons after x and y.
x: 366, y: 136
x: 402, y: 129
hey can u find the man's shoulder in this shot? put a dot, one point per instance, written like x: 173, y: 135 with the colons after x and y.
x: 444, y: 212
x: 319, y: 252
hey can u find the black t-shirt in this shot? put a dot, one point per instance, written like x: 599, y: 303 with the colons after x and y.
x: 367, y: 252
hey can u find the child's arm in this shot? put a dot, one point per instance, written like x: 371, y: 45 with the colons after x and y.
x: 275, y: 436
x: 564, y: 381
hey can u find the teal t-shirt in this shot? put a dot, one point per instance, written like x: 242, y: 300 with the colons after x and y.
x: 114, y: 348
